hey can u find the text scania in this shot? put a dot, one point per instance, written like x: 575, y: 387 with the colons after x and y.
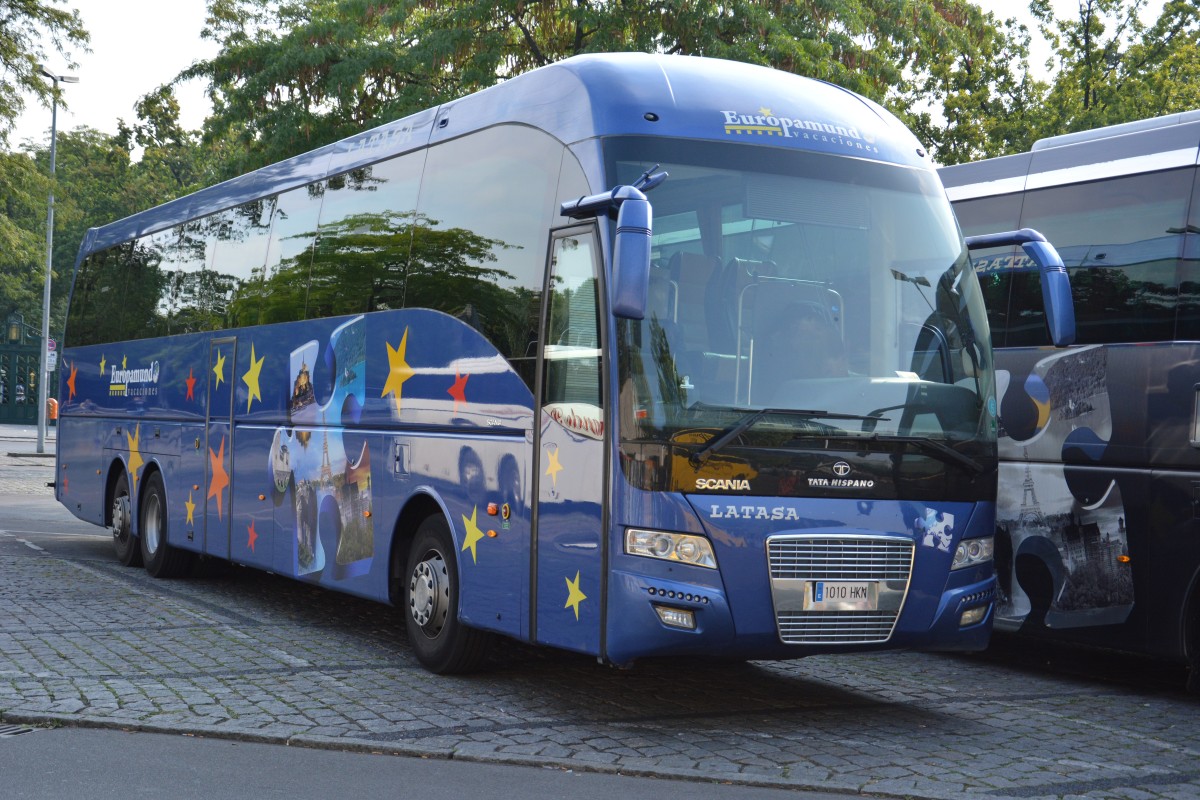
x: 736, y: 484
x: 124, y: 382
x: 788, y: 128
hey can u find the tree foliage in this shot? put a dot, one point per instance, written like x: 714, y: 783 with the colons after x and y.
x: 1113, y: 68
x: 293, y: 74
x: 27, y: 29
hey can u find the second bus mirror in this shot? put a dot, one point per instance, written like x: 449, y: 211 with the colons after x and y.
x: 1056, y: 286
x: 631, y: 258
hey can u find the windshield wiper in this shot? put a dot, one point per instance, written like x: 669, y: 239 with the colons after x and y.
x: 726, y: 436
x: 933, y: 447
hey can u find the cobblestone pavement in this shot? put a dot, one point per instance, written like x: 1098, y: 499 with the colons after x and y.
x: 247, y: 655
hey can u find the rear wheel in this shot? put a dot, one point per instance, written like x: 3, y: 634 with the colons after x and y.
x: 161, y: 559
x: 441, y: 643
x: 125, y: 544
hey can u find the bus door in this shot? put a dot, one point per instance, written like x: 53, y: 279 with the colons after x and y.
x: 571, y: 456
x: 218, y: 429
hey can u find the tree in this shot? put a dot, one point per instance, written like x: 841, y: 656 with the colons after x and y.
x: 1113, y: 68
x: 293, y: 75
x: 25, y: 27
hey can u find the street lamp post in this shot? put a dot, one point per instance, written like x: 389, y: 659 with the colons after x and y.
x: 45, y: 359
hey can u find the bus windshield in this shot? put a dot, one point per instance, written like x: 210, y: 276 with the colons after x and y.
x: 798, y: 282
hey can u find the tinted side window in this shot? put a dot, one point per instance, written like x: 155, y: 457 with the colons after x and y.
x: 1188, y: 325
x: 994, y: 266
x: 240, y: 238
x: 479, y: 238
x: 1121, y: 241
x: 289, y: 253
x: 361, y: 253
x: 95, y: 313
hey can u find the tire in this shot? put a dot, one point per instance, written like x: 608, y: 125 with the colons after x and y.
x: 125, y: 544
x: 161, y: 559
x: 441, y: 643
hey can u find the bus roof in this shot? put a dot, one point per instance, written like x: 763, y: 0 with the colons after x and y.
x: 578, y: 99
x: 1148, y: 145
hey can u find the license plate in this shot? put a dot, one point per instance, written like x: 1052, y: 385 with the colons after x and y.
x: 842, y: 596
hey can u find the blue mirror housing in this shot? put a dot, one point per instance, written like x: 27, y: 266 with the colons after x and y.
x: 631, y: 258
x: 1056, y: 285
x: 631, y: 249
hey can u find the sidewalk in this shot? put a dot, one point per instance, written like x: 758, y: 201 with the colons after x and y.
x: 23, y: 470
x: 22, y: 440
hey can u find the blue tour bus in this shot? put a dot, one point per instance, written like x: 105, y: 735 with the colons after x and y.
x: 1097, y: 540
x: 457, y: 363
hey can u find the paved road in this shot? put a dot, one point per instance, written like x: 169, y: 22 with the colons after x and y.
x: 248, y: 656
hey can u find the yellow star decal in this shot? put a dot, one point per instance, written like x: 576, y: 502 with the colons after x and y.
x: 574, y: 596
x: 251, y: 378
x: 191, y: 508
x: 124, y: 362
x: 399, y: 371
x: 135, y: 458
x: 554, y: 468
x: 219, y: 369
x: 102, y: 363
x: 474, y: 535
x: 766, y: 112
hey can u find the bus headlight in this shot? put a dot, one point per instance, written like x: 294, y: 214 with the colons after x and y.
x: 973, y: 551
x: 681, y: 547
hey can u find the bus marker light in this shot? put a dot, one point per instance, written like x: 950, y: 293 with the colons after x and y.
x: 1123, y: 559
x: 493, y: 509
x: 676, y: 617
x: 367, y: 513
x: 492, y: 534
x: 262, y: 497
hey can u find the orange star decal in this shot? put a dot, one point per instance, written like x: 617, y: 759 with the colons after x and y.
x: 253, y: 536
x: 71, y: 383
x: 459, y: 390
x: 220, y: 478
x: 191, y: 384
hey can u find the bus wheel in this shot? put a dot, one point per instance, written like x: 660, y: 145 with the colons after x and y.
x: 126, y: 546
x: 162, y: 560
x: 441, y: 643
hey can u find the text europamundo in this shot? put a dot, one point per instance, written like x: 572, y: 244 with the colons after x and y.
x: 765, y: 123
x: 140, y: 382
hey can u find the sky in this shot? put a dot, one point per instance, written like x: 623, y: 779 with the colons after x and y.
x: 137, y: 45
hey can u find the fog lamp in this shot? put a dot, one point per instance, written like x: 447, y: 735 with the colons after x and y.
x: 676, y: 617
x: 973, y: 616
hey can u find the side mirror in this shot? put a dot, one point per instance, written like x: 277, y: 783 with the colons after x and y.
x: 631, y: 258
x: 1056, y: 285
x: 631, y: 250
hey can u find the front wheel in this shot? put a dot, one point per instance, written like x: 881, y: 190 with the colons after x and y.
x: 125, y: 544
x: 161, y: 559
x: 440, y: 641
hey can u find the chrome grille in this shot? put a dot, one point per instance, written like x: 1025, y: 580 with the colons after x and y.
x: 796, y: 560
x: 845, y: 559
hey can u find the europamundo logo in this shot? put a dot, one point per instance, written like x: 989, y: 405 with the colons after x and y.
x: 124, y: 382
x: 765, y: 123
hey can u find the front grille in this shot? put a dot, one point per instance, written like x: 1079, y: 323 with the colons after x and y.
x: 844, y: 559
x: 835, y: 627
x: 796, y: 560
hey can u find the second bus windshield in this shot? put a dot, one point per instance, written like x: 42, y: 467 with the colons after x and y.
x: 788, y: 280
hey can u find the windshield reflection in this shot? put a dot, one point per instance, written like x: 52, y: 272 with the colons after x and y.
x: 789, y: 281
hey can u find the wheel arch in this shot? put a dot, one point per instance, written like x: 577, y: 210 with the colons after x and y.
x: 116, y: 468
x: 421, y: 505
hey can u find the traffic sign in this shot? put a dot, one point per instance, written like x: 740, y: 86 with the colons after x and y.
x: 51, y: 361
x: 50, y: 345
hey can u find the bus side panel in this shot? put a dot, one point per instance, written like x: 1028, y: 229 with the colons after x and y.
x: 82, y: 467
x: 1173, y: 527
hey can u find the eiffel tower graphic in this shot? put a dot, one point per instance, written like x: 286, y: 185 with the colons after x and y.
x: 326, y: 469
x: 1030, y: 515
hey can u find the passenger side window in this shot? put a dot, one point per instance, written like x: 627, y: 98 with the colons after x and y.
x: 1121, y: 241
